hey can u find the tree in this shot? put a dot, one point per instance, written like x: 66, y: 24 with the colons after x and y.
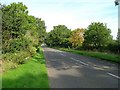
x: 59, y: 36
x: 77, y: 37
x: 14, y: 21
x: 97, y: 35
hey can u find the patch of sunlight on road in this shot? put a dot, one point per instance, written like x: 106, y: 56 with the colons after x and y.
x: 105, y: 67
x: 98, y: 68
x: 101, y: 67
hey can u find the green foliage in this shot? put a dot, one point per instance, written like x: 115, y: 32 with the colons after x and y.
x: 32, y: 36
x: 14, y: 45
x: 97, y: 35
x: 39, y: 56
x: 13, y: 27
x: 14, y: 19
x: 32, y: 50
x: 114, y: 47
x: 41, y: 30
x: 58, y: 36
x: 19, y: 57
x: 65, y: 42
x: 21, y: 33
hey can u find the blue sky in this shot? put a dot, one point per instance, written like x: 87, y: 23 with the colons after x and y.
x: 73, y: 13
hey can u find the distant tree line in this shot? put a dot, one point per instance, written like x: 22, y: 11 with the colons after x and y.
x: 97, y: 37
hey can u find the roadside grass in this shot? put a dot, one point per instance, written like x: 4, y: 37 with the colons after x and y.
x: 100, y: 55
x: 32, y: 74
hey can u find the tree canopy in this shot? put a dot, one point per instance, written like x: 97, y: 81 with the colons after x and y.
x: 97, y: 35
x: 58, y: 36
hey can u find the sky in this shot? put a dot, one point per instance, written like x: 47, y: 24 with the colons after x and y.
x: 73, y: 13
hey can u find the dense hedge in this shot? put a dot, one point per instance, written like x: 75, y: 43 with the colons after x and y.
x: 22, y: 34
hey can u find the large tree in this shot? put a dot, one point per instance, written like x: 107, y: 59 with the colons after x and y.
x: 59, y: 36
x: 14, y: 19
x: 97, y: 35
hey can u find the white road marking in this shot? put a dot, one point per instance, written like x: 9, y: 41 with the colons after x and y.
x: 79, y: 61
x: 113, y: 75
x: 62, y: 54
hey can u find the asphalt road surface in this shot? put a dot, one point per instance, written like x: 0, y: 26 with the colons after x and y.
x: 67, y: 70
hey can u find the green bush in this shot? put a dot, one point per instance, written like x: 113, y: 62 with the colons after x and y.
x: 15, y: 45
x: 114, y: 47
x: 32, y: 50
x: 19, y: 57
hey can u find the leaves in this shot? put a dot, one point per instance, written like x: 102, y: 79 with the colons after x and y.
x: 20, y: 31
x: 58, y: 36
x: 77, y: 37
x: 97, y: 35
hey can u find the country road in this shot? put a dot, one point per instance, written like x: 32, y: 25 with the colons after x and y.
x: 67, y: 70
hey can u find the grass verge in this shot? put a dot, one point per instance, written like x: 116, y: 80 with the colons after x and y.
x: 100, y: 55
x: 32, y: 74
